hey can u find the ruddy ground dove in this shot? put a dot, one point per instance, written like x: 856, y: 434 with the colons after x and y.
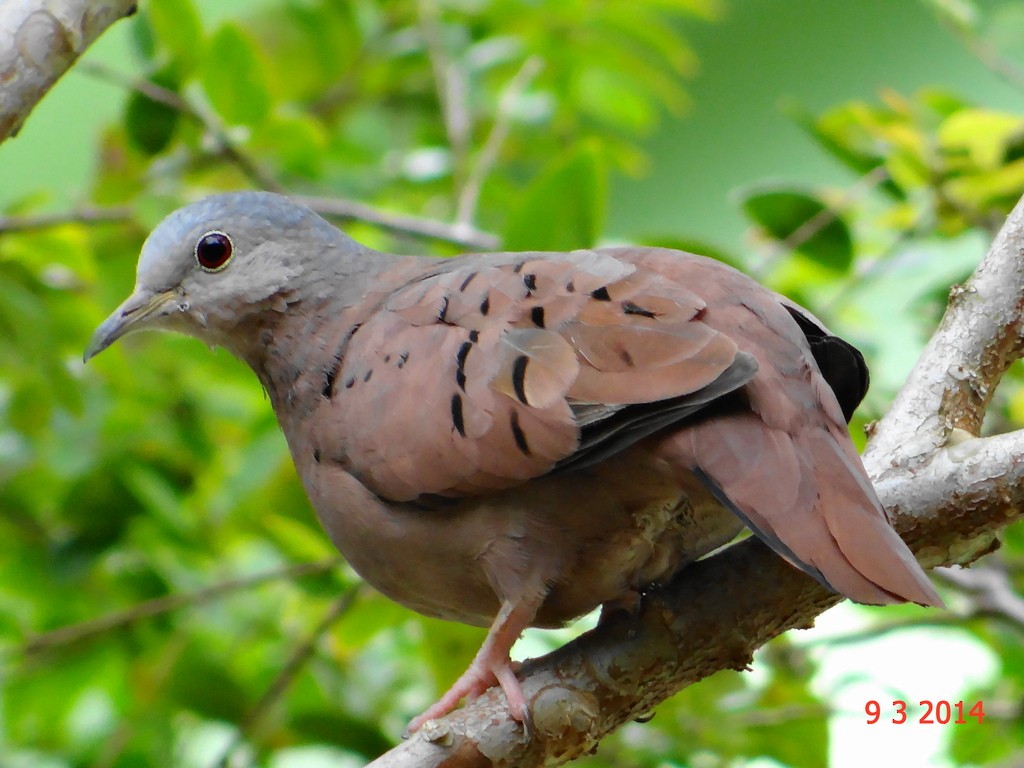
x: 513, y: 439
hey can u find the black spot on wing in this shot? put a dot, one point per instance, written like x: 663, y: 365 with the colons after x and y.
x: 519, y: 377
x: 530, y: 281
x: 467, y: 281
x: 463, y: 353
x: 457, y: 417
x: 518, y: 435
x: 338, y: 357
x: 537, y: 316
x: 632, y: 309
x: 601, y: 294
x: 485, y: 306
x: 329, y: 376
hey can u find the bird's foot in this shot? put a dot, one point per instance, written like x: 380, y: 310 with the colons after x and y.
x: 482, y: 675
x: 628, y: 603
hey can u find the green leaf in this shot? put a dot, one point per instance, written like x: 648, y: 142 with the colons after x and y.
x: 150, y: 124
x: 330, y: 726
x: 563, y: 209
x: 611, y: 97
x: 783, y: 212
x: 177, y: 28
x: 299, y: 142
x: 1001, y: 187
x: 201, y: 682
x: 841, y: 133
x: 982, y: 134
x: 234, y: 79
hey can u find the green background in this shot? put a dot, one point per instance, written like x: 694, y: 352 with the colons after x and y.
x: 157, y: 473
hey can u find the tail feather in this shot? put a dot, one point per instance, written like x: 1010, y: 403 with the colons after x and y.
x: 819, y: 512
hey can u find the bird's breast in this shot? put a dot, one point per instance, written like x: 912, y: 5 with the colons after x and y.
x: 583, y: 538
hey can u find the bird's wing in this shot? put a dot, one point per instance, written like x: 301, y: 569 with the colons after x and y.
x: 779, y: 455
x: 498, y: 369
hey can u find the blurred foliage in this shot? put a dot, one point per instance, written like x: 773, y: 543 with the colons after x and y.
x: 159, y: 472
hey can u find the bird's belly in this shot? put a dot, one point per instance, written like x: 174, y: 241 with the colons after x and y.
x: 660, y: 524
x: 584, y: 538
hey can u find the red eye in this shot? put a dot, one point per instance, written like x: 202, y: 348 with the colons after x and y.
x: 213, y: 251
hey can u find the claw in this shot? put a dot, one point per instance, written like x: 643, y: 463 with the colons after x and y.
x: 491, y: 666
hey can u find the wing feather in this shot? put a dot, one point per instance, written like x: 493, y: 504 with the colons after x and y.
x: 486, y: 373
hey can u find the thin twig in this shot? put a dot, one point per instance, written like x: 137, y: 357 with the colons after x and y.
x: 469, y: 196
x: 452, y: 87
x: 867, y: 270
x: 74, y: 633
x: 147, y: 88
x: 84, y: 215
x: 302, y: 653
x: 985, y: 52
x: 799, y: 236
x: 929, y: 621
x: 1001, y: 65
x: 225, y: 145
x: 463, y: 235
x: 992, y: 590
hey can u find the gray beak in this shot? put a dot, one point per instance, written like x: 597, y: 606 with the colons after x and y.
x: 129, y: 317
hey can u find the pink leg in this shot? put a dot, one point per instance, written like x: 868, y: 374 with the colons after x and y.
x: 491, y: 665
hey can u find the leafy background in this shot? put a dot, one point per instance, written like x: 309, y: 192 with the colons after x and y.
x: 167, y: 596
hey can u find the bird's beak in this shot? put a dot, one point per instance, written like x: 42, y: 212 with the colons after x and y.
x: 130, y: 316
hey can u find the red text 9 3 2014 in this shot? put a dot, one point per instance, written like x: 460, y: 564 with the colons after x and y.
x: 926, y: 712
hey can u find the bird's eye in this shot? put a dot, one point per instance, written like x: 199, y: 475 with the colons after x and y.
x: 213, y: 250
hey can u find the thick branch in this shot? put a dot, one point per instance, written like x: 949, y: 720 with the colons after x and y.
x: 713, y: 617
x: 75, y: 633
x: 946, y: 502
x: 39, y: 42
x: 953, y: 381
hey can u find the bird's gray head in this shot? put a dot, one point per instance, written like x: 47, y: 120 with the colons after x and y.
x: 214, y: 263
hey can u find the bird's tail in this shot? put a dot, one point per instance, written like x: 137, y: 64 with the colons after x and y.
x: 808, y: 497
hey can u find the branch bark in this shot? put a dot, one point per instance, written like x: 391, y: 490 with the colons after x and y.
x: 949, y: 493
x: 39, y: 42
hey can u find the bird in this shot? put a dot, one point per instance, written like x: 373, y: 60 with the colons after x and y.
x: 516, y: 439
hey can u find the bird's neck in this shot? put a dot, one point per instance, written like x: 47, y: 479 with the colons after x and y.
x: 296, y: 346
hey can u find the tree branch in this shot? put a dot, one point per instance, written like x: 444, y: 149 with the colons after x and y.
x: 84, y: 215
x: 288, y: 673
x: 452, y: 85
x: 74, y: 633
x: 225, y: 146
x: 948, y: 499
x: 956, y: 375
x: 464, y: 235
x: 469, y: 195
x: 39, y: 42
